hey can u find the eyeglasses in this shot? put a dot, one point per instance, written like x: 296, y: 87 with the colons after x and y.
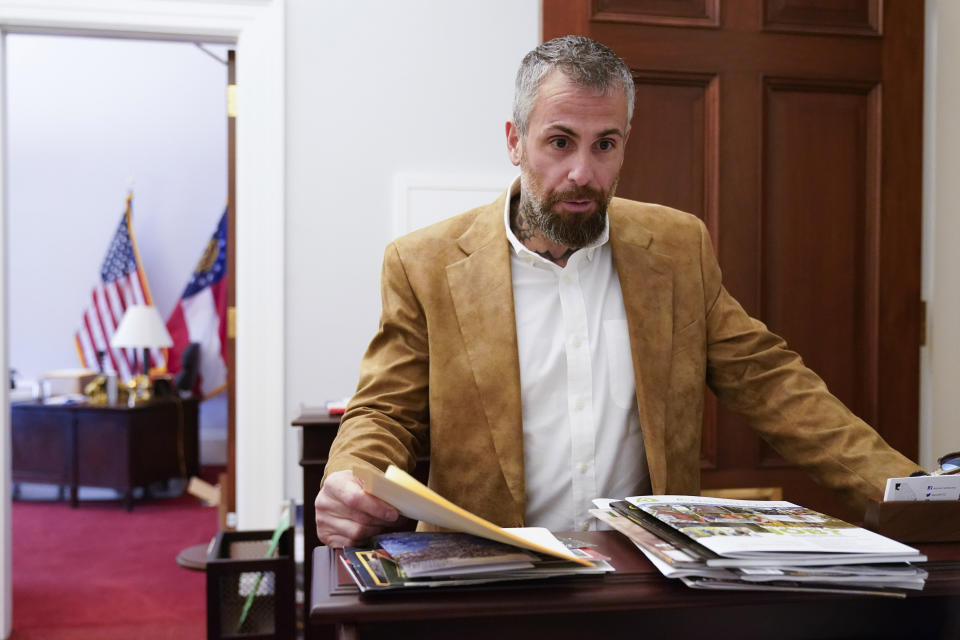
x: 949, y: 463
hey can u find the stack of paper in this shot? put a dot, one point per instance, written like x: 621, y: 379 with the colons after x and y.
x: 712, y: 543
x: 479, y: 552
x: 430, y: 560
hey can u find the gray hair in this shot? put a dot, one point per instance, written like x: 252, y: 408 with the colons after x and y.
x: 584, y: 61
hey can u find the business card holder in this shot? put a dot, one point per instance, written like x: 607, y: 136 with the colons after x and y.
x: 929, y: 521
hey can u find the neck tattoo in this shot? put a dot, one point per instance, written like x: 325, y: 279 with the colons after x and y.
x: 525, y: 231
x: 560, y: 260
x: 522, y: 228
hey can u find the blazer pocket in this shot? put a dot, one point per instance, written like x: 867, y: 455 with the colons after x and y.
x: 619, y: 363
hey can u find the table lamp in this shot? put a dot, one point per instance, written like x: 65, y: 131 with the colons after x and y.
x: 141, y: 328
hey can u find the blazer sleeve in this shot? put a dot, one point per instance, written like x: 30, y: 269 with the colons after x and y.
x: 754, y: 373
x: 386, y: 421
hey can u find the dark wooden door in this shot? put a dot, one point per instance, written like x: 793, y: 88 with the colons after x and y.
x: 793, y: 129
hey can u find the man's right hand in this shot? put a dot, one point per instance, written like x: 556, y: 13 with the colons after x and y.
x: 347, y: 515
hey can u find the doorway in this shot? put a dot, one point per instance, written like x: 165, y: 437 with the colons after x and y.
x: 257, y: 30
x: 90, y: 121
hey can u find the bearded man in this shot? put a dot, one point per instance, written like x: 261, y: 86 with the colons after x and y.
x: 553, y: 346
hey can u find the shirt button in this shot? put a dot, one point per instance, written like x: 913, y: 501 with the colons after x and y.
x: 567, y: 280
x: 577, y: 341
x: 579, y: 405
x: 582, y: 467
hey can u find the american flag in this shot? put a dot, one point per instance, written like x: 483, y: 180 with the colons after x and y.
x: 122, y: 282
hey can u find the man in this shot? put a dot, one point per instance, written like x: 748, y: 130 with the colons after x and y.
x: 552, y: 347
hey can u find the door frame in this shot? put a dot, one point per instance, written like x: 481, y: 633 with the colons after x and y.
x: 256, y: 29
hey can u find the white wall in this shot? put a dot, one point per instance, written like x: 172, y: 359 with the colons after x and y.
x: 377, y: 88
x: 88, y: 118
x: 940, y: 402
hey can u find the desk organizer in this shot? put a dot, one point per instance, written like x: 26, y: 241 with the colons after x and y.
x: 236, y: 566
x: 932, y: 521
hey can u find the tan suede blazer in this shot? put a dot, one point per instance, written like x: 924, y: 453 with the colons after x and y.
x: 442, y: 373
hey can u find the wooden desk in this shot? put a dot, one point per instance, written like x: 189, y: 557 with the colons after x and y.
x: 319, y: 430
x: 635, y: 602
x: 103, y: 445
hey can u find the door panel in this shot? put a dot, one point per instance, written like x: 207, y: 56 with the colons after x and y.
x: 677, y: 13
x: 851, y: 17
x: 671, y: 155
x: 833, y: 327
x: 793, y: 129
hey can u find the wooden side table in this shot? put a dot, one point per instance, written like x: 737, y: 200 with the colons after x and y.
x: 319, y: 430
x: 104, y: 445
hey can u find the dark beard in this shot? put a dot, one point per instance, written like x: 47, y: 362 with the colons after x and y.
x: 571, y: 230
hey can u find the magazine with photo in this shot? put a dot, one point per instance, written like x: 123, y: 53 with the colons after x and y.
x: 646, y: 540
x: 665, y: 539
x: 373, y: 570
x: 743, y: 533
x: 440, y: 554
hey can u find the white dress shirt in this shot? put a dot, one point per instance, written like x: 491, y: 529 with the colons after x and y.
x: 581, y: 428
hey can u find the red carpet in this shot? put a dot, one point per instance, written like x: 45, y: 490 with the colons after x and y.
x: 100, y: 572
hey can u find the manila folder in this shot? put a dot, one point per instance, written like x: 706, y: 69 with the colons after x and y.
x: 417, y: 501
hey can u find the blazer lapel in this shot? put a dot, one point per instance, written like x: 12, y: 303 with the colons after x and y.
x: 646, y: 280
x: 482, y: 291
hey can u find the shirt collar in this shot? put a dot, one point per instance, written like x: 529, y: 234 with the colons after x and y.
x: 590, y: 250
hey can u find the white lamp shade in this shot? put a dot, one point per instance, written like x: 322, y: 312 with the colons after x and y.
x: 141, y: 326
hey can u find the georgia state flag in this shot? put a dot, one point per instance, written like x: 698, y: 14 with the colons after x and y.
x: 201, y: 316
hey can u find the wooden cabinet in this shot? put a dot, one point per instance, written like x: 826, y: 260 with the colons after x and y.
x: 105, y: 446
